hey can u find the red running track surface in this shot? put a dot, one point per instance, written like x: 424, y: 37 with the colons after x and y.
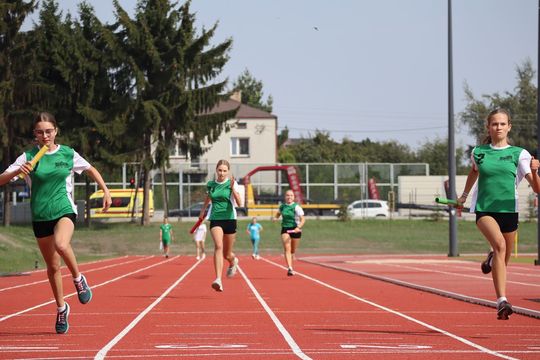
x: 151, y: 307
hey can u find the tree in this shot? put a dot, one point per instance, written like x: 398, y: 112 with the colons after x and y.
x: 17, y: 85
x: 521, y: 104
x: 435, y: 153
x: 168, y: 72
x: 76, y: 66
x: 252, y: 91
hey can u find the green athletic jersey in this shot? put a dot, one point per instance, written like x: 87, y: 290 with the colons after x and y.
x: 222, y: 201
x: 166, y: 232
x: 500, y: 170
x: 51, y: 181
x: 290, y: 214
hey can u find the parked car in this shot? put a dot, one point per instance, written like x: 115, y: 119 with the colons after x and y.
x: 191, y: 211
x: 368, y: 209
x: 195, y: 209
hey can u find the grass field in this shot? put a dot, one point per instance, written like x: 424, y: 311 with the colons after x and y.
x: 19, y: 252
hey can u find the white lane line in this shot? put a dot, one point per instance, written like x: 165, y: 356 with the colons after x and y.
x: 292, y: 344
x: 92, y: 286
x: 384, y: 308
x: 103, y: 352
x: 66, y: 275
x: 458, y: 274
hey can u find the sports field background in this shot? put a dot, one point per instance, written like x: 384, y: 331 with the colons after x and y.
x: 19, y: 252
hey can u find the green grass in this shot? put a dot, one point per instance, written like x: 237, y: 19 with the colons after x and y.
x: 18, y: 249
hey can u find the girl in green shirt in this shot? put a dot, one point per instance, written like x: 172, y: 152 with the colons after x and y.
x: 222, y: 193
x: 53, y: 209
x: 291, y: 228
x: 497, y: 169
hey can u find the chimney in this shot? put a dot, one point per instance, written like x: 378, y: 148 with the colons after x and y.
x: 237, y: 95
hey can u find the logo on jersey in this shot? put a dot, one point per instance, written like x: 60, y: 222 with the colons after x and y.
x: 506, y: 158
x: 61, y: 165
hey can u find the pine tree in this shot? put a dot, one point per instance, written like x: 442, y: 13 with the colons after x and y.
x: 16, y: 85
x: 168, y: 72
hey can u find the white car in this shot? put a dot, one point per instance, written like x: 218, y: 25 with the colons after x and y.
x: 368, y: 209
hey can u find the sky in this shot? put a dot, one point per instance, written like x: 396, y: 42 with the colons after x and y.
x: 374, y: 69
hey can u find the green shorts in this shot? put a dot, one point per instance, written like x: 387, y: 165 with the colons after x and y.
x: 166, y: 242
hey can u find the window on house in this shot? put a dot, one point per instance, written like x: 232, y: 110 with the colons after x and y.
x: 241, y: 125
x: 239, y: 146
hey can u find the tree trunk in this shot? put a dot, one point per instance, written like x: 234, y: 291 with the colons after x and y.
x: 164, y: 192
x: 145, y: 219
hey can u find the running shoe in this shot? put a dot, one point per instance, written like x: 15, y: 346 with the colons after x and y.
x: 216, y: 285
x: 231, y: 271
x: 504, y: 310
x: 486, y: 264
x: 203, y: 256
x: 290, y: 272
x: 198, y: 257
x: 257, y: 257
x: 62, y: 324
x: 253, y: 256
x: 83, y: 290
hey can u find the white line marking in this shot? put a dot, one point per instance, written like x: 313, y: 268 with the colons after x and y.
x: 92, y: 286
x: 5, y: 348
x: 292, y: 344
x: 66, y: 275
x: 103, y: 352
x: 185, y: 346
x: 444, y: 332
x: 458, y: 274
x: 401, y: 346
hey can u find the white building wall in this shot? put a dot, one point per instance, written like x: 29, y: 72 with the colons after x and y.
x: 423, y: 190
x: 262, y: 143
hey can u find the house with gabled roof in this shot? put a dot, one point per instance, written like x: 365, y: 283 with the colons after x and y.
x: 252, y: 138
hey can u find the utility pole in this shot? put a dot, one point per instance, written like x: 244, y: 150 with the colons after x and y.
x: 452, y: 233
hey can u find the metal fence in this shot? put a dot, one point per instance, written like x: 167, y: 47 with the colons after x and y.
x: 320, y: 182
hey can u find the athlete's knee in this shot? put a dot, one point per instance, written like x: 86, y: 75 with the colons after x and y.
x: 499, y: 247
x: 53, y: 267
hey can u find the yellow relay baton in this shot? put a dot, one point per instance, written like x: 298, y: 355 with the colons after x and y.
x: 36, y: 158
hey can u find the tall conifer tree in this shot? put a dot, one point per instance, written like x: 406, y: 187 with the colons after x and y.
x: 16, y: 85
x: 169, y: 70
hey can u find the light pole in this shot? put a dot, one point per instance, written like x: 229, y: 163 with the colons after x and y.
x: 452, y: 233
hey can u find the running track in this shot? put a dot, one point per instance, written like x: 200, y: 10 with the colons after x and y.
x: 150, y: 307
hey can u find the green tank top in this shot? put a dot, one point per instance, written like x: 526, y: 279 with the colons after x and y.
x: 222, y: 204
x: 52, y: 186
x: 497, y: 178
x: 166, y: 231
x: 288, y: 215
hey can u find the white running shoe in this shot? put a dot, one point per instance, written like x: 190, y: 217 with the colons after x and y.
x: 203, y: 256
x: 231, y: 271
x: 216, y: 285
x: 257, y: 257
x: 198, y: 257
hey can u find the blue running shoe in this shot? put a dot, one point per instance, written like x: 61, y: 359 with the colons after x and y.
x: 62, y: 324
x: 83, y: 290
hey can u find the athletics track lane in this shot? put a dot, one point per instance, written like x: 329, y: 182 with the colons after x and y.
x: 323, y: 322
x: 444, y: 274
x: 119, y: 295
x: 374, y: 333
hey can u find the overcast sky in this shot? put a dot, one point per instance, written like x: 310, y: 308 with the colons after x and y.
x: 366, y: 68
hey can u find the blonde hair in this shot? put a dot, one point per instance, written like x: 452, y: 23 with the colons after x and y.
x: 487, y: 138
x: 223, y: 162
